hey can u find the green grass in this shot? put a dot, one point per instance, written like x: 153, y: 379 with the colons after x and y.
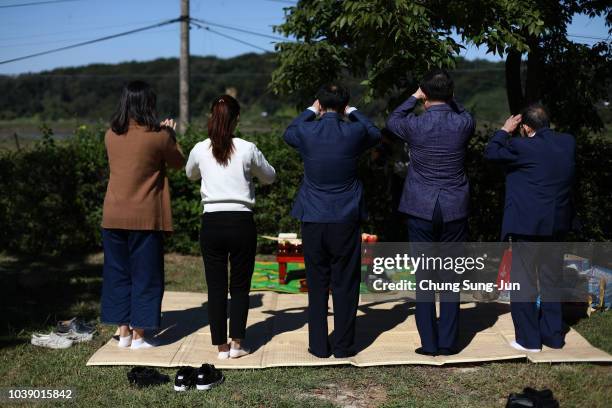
x: 35, y: 293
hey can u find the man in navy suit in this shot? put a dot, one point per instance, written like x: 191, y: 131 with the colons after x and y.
x: 435, y: 196
x: 540, y: 172
x: 330, y: 205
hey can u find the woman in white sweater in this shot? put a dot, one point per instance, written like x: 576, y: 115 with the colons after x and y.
x: 226, y: 165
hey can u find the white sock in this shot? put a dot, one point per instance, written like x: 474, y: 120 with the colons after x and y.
x: 125, y: 341
x: 141, y: 344
x: 517, y: 346
x: 238, y: 352
x: 223, y: 355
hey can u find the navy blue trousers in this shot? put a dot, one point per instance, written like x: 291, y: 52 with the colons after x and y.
x: 332, y: 258
x: 437, y: 333
x: 536, y: 265
x: 133, y: 278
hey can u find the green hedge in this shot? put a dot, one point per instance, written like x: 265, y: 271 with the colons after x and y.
x: 51, y: 194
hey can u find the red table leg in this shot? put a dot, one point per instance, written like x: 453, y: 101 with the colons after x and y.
x: 282, y: 273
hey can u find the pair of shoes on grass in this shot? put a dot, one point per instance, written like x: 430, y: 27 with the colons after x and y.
x: 67, y: 333
x: 55, y: 340
x: 203, y: 378
x: 146, y: 377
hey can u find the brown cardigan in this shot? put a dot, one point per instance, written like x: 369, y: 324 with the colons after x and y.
x: 138, y: 193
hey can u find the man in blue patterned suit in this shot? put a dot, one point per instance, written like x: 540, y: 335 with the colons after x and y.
x: 435, y: 196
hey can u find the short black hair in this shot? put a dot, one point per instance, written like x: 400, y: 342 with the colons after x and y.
x: 535, y: 116
x: 438, y: 85
x: 333, y: 96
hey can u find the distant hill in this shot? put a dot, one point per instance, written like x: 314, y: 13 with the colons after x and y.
x: 90, y: 92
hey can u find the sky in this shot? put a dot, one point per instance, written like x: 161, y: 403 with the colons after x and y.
x: 30, y: 29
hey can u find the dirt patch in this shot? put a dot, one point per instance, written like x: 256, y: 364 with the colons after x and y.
x: 347, y: 396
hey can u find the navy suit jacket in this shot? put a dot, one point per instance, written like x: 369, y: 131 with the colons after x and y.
x: 330, y: 148
x: 539, y: 178
x: 437, y: 140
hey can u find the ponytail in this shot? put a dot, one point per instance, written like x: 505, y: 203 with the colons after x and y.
x: 224, y: 113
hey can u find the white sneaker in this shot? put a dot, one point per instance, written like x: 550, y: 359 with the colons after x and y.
x: 51, y: 340
x: 237, y: 353
x: 518, y: 347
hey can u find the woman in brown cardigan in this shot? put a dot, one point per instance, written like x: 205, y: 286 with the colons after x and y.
x: 136, y: 214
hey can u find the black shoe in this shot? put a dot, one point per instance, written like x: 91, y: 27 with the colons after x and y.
x: 344, y: 354
x: 533, y: 399
x: 425, y: 353
x: 319, y: 355
x: 208, y: 377
x: 446, y: 352
x: 145, y: 377
x: 185, y: 379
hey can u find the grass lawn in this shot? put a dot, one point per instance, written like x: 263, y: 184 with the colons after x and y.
x: 34, y: 294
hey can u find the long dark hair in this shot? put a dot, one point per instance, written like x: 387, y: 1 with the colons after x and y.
x: 223, y: 115
x: 137, y: 102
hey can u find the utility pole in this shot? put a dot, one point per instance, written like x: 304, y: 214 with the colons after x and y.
x: 184, y: 69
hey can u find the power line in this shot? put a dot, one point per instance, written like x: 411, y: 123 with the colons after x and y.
x: 588, y: 37
x: 76, y: 30
x: 231, y: 37
x: 291, y: 3
x: 65, y: 40
x: 108, y: 37
x: 36, y: 3
x: 273, y: 37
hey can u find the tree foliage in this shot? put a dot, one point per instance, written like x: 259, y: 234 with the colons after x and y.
x: 384, y: 42
x: 390, y: 43
x: 542, y: 62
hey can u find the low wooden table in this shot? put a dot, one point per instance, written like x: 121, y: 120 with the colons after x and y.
x: 283, y: 260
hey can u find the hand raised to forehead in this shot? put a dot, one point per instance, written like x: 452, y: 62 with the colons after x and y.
x: 169, y: 123
x: 511, y: 123
x: 419, y: 94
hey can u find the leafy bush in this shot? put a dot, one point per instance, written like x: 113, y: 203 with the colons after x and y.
x: 51, y: 194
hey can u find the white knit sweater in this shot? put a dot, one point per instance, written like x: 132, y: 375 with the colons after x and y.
x: 229, y: 188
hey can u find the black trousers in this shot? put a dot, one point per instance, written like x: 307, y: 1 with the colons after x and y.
x: 228, y: 236
x: 537, y: 268
x: 332, y: 257
x: 442, y: 333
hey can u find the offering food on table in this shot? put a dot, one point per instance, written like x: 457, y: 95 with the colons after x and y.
x: 369, y: 237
